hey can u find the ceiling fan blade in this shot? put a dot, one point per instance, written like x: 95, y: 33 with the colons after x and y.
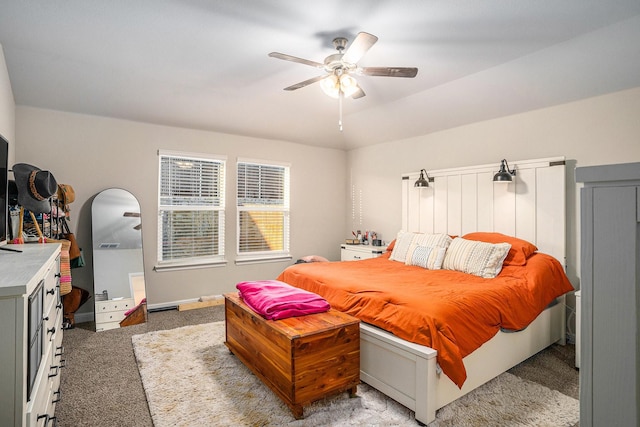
x: 295, y: 59
x: 360, y: 45
x: 390, y: 71
x: 305, y: 83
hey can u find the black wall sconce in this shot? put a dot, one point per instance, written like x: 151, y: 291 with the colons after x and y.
x: 504, y: 174
x: 424, y: 179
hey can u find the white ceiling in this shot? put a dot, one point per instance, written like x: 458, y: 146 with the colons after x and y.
x: 204, y: 64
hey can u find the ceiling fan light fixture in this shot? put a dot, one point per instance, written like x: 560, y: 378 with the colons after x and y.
x: 332, y: 85
x: 348, y: 84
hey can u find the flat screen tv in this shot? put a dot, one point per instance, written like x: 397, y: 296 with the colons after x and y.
x: 4, y: 170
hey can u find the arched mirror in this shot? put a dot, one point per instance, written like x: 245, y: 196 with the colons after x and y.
x: 118, y: 267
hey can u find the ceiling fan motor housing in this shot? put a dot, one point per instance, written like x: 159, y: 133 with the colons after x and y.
x: 334, y: 64
x: 340, y: 43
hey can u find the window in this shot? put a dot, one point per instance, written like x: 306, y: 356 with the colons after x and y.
x: 263, y: 210
x: 191, y: 207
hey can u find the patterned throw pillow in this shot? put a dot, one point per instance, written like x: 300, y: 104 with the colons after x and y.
x: 520, y: 249
x: 425, y: 256
x: 406, y: 239
x: 474, y: 257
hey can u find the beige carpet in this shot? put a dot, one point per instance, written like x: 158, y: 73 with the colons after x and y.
x: 191, y: 379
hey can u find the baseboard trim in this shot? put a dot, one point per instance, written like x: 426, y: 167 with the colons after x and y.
x: 170, y: 305
x: 173, y: 305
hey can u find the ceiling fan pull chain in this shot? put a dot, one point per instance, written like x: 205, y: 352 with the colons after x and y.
x: 340, y: 96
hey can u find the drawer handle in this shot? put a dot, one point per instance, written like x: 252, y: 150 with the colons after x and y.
x: 56, y: 371
x: 52, y: 330
x: 59, y: 306
x: 58, y: 275
x: 57, y: 394
x: 45, y: 318
x: 51, y: 291
x: 356, y: 257
x: 59, y: 351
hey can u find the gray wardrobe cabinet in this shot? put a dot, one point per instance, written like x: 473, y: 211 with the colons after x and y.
x: 610, y: 270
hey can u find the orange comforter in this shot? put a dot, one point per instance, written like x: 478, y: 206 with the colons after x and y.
x: 451, y: 312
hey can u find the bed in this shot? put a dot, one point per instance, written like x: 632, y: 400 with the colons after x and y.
x: 423, y: 370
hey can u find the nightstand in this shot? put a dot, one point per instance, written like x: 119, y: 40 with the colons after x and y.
x: 109, y: 313
x: 358, y: 252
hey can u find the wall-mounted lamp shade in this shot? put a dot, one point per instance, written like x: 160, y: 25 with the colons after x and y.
x: 504, y: 174
x: 422, y: 181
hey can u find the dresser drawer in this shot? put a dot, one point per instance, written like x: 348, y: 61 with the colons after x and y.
x: 57, y: 351
x: 51, y: 287
x: 57, y: 340
x: 52, y: 324
x: 112, y: 316
x: 113, y: 305
x: 358, y: 252
x: 38, y: 406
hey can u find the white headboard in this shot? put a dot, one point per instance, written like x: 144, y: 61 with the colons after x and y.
x: 463, y: 200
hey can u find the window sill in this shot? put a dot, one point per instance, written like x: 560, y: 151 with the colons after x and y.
x: 193, y: 266
x: 263, y: 260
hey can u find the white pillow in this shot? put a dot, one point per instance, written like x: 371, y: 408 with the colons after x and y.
x: 474, y: 257
x: 405, y: 239
x: 428, y: 257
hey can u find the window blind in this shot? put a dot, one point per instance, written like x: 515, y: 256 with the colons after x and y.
x: 191, y: 206
x: 263, y: 209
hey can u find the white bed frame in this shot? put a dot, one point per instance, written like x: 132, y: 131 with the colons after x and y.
x: 460, y: 201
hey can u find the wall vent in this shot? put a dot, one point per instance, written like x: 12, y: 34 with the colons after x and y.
x: 109, y: 245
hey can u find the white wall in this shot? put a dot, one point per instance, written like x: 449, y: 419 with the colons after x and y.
x: 7, y: 109
x: 599, y: 130
x: 94, y: 153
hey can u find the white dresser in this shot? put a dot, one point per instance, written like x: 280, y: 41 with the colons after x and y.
x: 358, y: 252
x: 109, y: 313
x: 31, y: 353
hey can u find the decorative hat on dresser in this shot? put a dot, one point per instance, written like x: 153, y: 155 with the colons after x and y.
x: 35, y: 187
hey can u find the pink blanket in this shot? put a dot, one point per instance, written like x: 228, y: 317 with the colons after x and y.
x: 275, y: 300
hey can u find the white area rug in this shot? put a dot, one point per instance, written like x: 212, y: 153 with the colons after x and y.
x: 191, y: 379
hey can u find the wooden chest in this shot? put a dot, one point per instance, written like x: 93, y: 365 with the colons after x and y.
x: 302, y: 359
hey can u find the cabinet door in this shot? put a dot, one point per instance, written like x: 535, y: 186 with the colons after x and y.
x: 609, y: 373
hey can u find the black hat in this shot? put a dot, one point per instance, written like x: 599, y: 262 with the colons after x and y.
x: 35, y: 186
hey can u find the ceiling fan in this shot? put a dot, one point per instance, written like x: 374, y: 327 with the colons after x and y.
x: 134, y: 215
x: 340, y: 67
